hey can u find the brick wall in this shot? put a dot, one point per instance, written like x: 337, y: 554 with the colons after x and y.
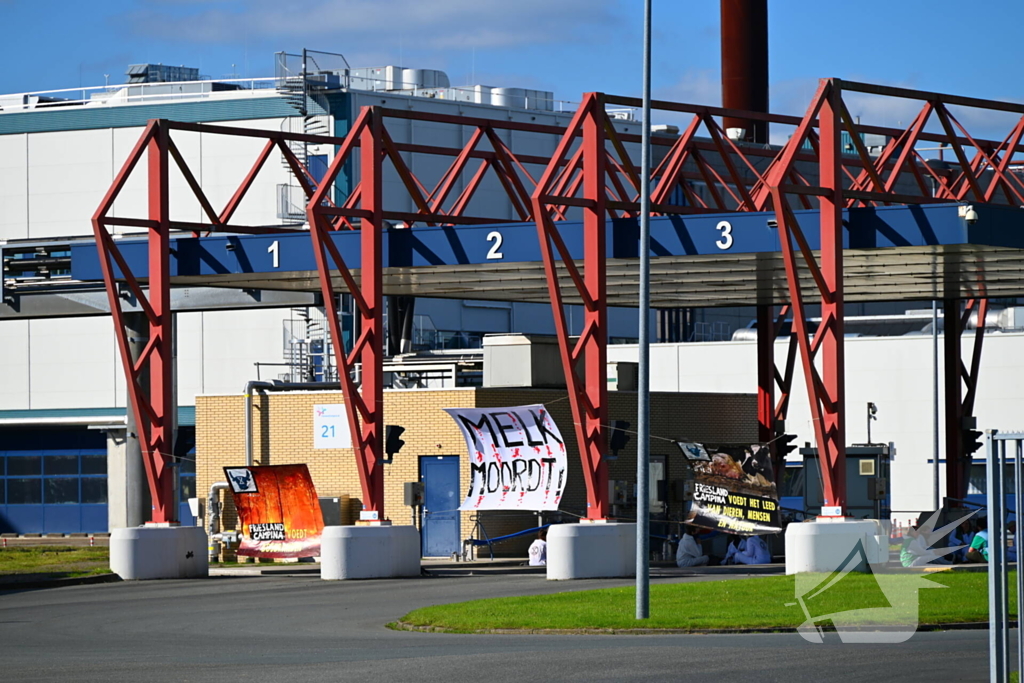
x: 283, y: 434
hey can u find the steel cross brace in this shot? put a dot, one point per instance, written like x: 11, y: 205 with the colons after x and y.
x: 588, y: 396
x: 364, y: 402
x: 150, y: 376
x: 826, y: 390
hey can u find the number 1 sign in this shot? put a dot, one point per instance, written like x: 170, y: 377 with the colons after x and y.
x: 330, y: 427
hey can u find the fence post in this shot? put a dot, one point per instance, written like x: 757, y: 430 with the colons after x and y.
x: 996, y: 599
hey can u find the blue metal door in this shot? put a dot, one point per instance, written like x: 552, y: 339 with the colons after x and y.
x: 440, y: 476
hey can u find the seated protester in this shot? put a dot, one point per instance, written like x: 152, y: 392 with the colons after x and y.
x: 752, y: 550
x: 978, y: 552
x: 539, y: 550
x: 749, y: 550
x: 962, y: 535
x: 735, y: 543
x: 914, y: 552
x: 689, y: 553
x: 917, y: 550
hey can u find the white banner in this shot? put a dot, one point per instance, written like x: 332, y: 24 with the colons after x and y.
x: 517, y: 458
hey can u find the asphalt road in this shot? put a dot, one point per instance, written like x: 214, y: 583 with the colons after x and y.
x: 300, y: 628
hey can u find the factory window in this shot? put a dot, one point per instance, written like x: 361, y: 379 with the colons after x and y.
x: 53, y: 477
x: 978, y: 484
x: 94, y: 464
x: 60, y: 490
x: 24, y: 492
x: 24, y: 465
x: 94, y: 490
x: 792, y: 482
x: 60, y: 464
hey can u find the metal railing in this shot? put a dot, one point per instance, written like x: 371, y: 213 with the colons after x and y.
x: 123, y: 94
x: 136, y: 93
x: 998, y: 593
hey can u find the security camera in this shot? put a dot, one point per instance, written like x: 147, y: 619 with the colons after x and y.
x: 967, y: 212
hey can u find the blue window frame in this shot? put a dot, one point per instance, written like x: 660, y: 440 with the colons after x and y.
x: 53, y: 490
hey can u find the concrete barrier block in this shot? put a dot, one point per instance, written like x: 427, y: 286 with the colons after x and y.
x: 141, y: 553
x: 591, y: 551
x: 369, y: 552
x: 822, y: 546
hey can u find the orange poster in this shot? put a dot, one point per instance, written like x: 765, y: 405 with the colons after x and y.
x: 278, y: 510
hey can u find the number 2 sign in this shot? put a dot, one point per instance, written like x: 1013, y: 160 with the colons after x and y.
x: 330, y: 427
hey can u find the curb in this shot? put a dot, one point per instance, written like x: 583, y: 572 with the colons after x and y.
x: 953, y: 626
x: 59, y: 583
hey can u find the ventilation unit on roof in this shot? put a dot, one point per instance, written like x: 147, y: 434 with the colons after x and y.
x: 160, y: 73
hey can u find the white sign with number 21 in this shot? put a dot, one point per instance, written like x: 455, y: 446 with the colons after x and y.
x: 330, y: 427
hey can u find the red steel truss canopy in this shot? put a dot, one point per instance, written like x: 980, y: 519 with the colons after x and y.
x: 592, y: 173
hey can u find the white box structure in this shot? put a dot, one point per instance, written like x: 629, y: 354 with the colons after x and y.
x: 825, y: 545
x: 591, y: 551
x: 369, y: 552
x: 159, y: 552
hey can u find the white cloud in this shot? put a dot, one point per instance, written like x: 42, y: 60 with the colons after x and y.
x: 358, y: 25
x: 696, y: 86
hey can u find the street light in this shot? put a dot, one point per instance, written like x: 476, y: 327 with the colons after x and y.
x: 643, y: 428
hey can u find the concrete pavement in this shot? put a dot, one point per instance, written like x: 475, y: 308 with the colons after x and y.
x: 299, y: 628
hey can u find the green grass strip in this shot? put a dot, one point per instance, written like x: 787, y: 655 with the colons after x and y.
x: 727, y: 604
x: 51, y: 561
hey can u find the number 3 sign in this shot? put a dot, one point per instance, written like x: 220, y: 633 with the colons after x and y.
x: 330, y: 427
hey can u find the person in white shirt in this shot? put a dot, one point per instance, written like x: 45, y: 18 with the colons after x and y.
x: 689, y: 553
x: 751, y: 550
x: 539, y: 551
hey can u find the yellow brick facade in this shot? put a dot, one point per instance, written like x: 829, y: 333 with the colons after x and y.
x: 283, y: 434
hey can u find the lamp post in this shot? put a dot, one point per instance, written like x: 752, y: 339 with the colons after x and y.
x: 643, y: 454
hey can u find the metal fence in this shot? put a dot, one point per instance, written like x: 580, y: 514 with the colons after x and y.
x: 998, y: 594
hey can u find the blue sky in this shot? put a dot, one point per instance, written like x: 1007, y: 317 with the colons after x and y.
x: 568, y: 46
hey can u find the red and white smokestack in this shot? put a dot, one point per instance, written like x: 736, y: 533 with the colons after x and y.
x: 745, y: 66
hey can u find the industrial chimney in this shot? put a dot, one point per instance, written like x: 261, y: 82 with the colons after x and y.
x: 745, y: 66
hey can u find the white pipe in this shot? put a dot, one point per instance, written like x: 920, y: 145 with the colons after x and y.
x: 213, y: 507
x: 275, y: 385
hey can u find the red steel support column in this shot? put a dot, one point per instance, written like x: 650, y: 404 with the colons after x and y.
x: 588, y: 394
x: 832, y: 453
x: 372, y: 355
x: 953, y: 404
x: 363, y: 399
x: 595, y: 321
x: 157, y: 452
x: 958, y: 407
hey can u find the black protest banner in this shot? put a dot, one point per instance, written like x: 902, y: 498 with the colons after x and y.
x: 735, y: 491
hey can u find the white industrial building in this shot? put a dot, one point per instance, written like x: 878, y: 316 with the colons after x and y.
x: 62, y: 394
x: 62, y: 387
